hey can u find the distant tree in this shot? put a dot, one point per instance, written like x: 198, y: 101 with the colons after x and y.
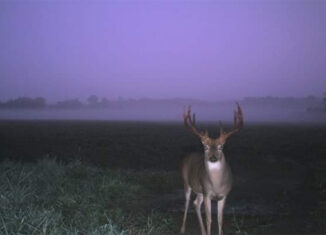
x: 25, y: 103
x: 40, y: 102
x: 68, y: 104
x: 104, y: 103
x: 93, y: 101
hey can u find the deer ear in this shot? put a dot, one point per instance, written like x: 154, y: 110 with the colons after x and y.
x: 205, y: 141
x: 219, y: 144
x: 206, y: 147
x: 220, y: 141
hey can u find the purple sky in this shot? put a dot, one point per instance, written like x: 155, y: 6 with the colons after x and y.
x: 162, y: 49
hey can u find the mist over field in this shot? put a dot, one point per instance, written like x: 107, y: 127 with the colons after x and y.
x: 255, y: 110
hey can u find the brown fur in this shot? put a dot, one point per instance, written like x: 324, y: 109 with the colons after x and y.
x: 208, y: 175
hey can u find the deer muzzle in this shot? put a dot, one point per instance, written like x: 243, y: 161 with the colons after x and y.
x: 213, y: 159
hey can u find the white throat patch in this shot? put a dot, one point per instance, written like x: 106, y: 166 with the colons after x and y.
x: 214, y: 165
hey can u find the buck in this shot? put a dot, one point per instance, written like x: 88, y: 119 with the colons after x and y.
x: 207, y: 174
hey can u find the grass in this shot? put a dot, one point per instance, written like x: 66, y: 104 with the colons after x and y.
x: 125, y: 179
x: 54, y: 198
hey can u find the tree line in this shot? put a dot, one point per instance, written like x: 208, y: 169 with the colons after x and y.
x: 40, y: 103
x: 311, y: 102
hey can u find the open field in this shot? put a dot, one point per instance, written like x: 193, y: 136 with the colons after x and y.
x: 122, y: 177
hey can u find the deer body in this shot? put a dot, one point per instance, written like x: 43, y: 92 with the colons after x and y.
x: 207, y: 174
x: 213, y: 179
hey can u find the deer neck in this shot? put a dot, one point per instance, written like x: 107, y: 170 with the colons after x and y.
x: 216, y: 169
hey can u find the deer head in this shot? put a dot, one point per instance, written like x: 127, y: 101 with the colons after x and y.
x: 213, y: 147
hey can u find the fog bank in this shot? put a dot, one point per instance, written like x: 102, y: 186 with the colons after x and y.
x: 255, y: 110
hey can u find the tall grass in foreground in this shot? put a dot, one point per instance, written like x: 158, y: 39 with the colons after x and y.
x: 52, y: 198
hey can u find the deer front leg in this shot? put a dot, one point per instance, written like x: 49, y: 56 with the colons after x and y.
x: 187, y: 196
x: 220, y: 208
x: 197, y: 203
x: 207, y: 202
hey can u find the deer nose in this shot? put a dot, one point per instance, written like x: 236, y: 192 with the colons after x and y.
x: 213, y: 158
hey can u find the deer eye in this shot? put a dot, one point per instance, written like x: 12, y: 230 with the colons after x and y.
x: 206, y: 148
x: 220, y: 147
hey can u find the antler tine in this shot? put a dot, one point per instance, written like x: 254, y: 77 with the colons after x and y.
x: 235, y: 117
x: 221, y: 127
x: 184, y: 114
x: 238, y: 122
x: 194, y: 118
x: 190, y: 123
x: 239, y: 116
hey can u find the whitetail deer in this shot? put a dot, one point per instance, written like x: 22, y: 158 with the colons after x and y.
x: 208, y: 175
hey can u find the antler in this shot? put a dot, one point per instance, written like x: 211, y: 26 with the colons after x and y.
x: 190, y: 123
x: 238, y: 124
